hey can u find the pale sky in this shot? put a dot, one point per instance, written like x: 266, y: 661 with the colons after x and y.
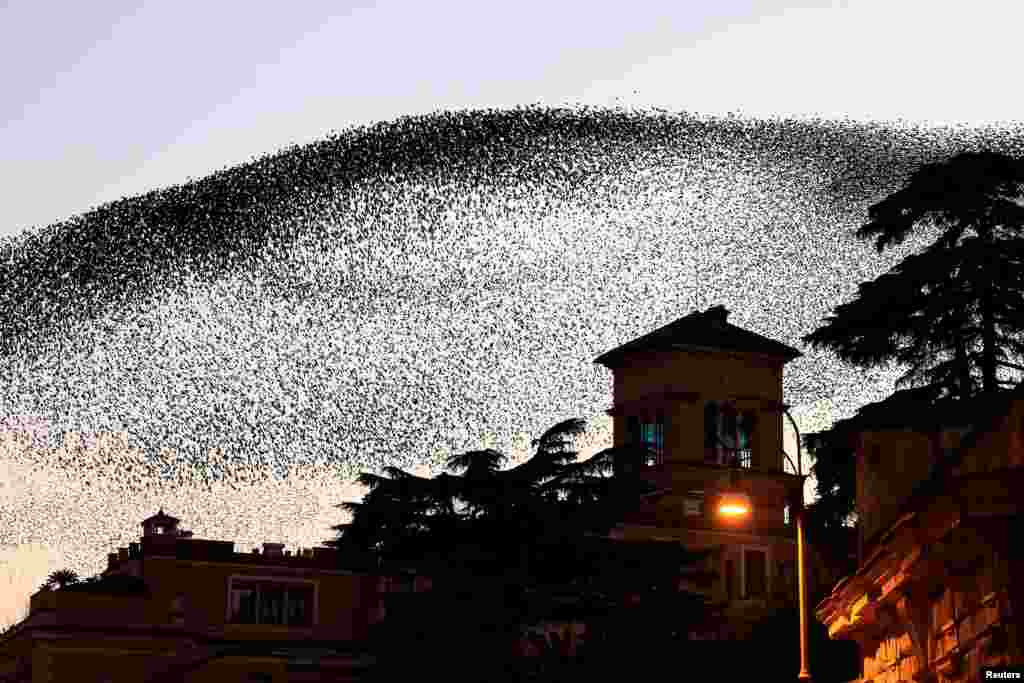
x: 110, y: 99
x: 484, y: 335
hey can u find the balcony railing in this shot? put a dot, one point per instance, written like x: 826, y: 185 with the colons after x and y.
x: 732, y: 457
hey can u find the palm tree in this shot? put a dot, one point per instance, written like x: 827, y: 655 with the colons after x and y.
x: 60, y: 578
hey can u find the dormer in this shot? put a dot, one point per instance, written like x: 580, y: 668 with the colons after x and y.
x: 701, y: 390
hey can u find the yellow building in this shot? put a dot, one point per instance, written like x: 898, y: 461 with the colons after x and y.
x: 937, y: 592
x: 705, y: 398
x: 176, y: 608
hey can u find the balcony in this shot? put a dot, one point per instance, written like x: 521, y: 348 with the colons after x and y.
x: 730, y: 457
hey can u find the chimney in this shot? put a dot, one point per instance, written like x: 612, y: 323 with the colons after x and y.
x: 717, y: 316
x: 273, y: 549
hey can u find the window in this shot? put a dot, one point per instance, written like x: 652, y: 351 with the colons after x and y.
x: 243, y: 605
x: 694, y: 504
x: 785, y: 579
x: 269, y: 602
x: 730, y: 579
x: 650, y: 434
x: 728, y: 435
x: 745, y: 431
x: 785, y: 515
x: 755, y: 573
x: 711, y: 426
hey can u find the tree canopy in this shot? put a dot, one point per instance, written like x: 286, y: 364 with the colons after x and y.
x: 509, y: 548
x: 953, y: 313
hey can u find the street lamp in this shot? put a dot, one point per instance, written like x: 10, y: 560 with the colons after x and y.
x: 733, y: 504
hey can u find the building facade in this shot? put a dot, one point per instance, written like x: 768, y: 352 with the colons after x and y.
x: 176, y: 608
x: 937, y: 592
x: 705, y: 399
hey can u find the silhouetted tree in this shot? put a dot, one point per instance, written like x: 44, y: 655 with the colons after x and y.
x: 60, y: 578
x: 953, y: 313
x: 835, y: 474
x: 506, y: 548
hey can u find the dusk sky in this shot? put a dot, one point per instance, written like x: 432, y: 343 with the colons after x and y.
x: 422, y: 313
x: 106, y: 100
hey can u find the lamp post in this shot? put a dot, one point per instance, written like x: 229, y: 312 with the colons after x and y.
x: 735, y: 504
x: 801, y: 551
x: 801, y: 561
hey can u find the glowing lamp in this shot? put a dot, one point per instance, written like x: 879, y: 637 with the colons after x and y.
x: 734, y: 504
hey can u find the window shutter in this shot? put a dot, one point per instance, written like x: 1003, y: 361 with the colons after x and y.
x: 710, y: 425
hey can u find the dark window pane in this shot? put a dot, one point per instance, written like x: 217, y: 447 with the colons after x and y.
x: 730, y: 579
x: 271, y: 605
x: 729, y: 424
x: 633, y: 430
x: 746, y: 430
x: 243, y: 606
x: 756, y: 573
x: 299, y: 608
x: 710, y: 425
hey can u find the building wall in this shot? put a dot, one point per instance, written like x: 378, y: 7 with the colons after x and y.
x: 678, y: 385
x: 748, y: 382
x: 889, y: 465
x: 965, y: 616
x: 945, y: 596
x: 75, y: 636
x: 341, y: 611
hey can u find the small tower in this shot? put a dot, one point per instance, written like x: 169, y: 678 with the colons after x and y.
x: 703, y: 399
x: 160, y: 525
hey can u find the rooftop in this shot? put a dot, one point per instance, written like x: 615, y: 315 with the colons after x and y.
x: 701, y: 331
x: 162, y: 538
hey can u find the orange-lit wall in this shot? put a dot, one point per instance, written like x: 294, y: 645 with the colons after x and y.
x: 125, y: 638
